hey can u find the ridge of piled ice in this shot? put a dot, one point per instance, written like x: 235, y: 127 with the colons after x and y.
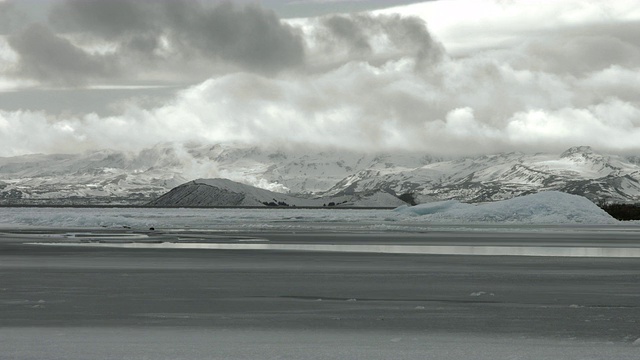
x: 550, y: 207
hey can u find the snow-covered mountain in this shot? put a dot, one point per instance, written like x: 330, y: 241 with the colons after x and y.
x: 101, y: 177
x: 579, y: 170
x: 113, y: 177
x: 223, y: 192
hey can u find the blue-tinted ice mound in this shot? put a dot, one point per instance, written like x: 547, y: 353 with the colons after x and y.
x: 550, y: 207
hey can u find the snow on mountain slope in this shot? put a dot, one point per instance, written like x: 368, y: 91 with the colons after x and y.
x: 223, y: 192
x: 108, y: 177
x: 582, y: 161
x: 488, y: 178
x: 220, y: 192
x: 97, y: 177
x: 550, y: 207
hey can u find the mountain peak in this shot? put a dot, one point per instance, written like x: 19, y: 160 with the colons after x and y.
x: 582, y: 150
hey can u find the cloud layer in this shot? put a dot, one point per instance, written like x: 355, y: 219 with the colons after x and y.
x: 381, y: 81
x: 121, y: 40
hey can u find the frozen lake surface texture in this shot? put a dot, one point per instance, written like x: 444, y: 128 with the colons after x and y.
x: 315, y: 284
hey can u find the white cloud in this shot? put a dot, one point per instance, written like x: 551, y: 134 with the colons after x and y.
x: 466, y: 26
x: 612, y: 126
x: 357, y: 106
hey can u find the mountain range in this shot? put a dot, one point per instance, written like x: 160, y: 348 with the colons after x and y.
x: 317, y: 177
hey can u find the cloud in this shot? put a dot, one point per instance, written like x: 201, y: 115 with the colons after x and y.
x: 366, y: 82
x: 597, y: 125
x: 111, y: 41
x: 615, y: 82
x: 356, y: 107
x: 47, y: 57
x: 104, y: 19
x: 11, y: 18
x: 338, y: 39
x: 124, y: 40
x: 577, y: 55
x: 173, y: 34
x: 250, y: 36
x: 469, y: 26
x: 189, y: 40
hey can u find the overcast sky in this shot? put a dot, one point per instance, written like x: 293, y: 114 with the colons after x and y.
x: 447, y: 77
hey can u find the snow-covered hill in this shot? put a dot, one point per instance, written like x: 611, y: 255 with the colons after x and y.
x: 112, y: 177
x: 223, y: 192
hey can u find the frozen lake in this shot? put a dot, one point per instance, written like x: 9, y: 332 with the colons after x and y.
x: 288, y: 219
x: 310, y: 284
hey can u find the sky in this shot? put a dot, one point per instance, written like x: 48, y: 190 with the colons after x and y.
x: 443, y: 77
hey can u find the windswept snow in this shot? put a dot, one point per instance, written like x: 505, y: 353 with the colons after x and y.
x: 551, y: 207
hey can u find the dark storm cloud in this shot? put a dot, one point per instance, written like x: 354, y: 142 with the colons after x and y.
x: 107, y: 19
x: 411, y: 33
x: 246, y: 36
x: 11, y: 18
x: 249, y: 35
x: 191, y: 40
x: 345, y: 29
x: 47, y: 57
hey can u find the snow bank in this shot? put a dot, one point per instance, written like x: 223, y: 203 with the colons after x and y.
x: 551, y: 207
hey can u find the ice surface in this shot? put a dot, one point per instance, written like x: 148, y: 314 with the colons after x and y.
x: 73, y: 343
x: 185, y: 218
x: 542, y: 208
x: 551, y: 207
x: 263, y: 244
